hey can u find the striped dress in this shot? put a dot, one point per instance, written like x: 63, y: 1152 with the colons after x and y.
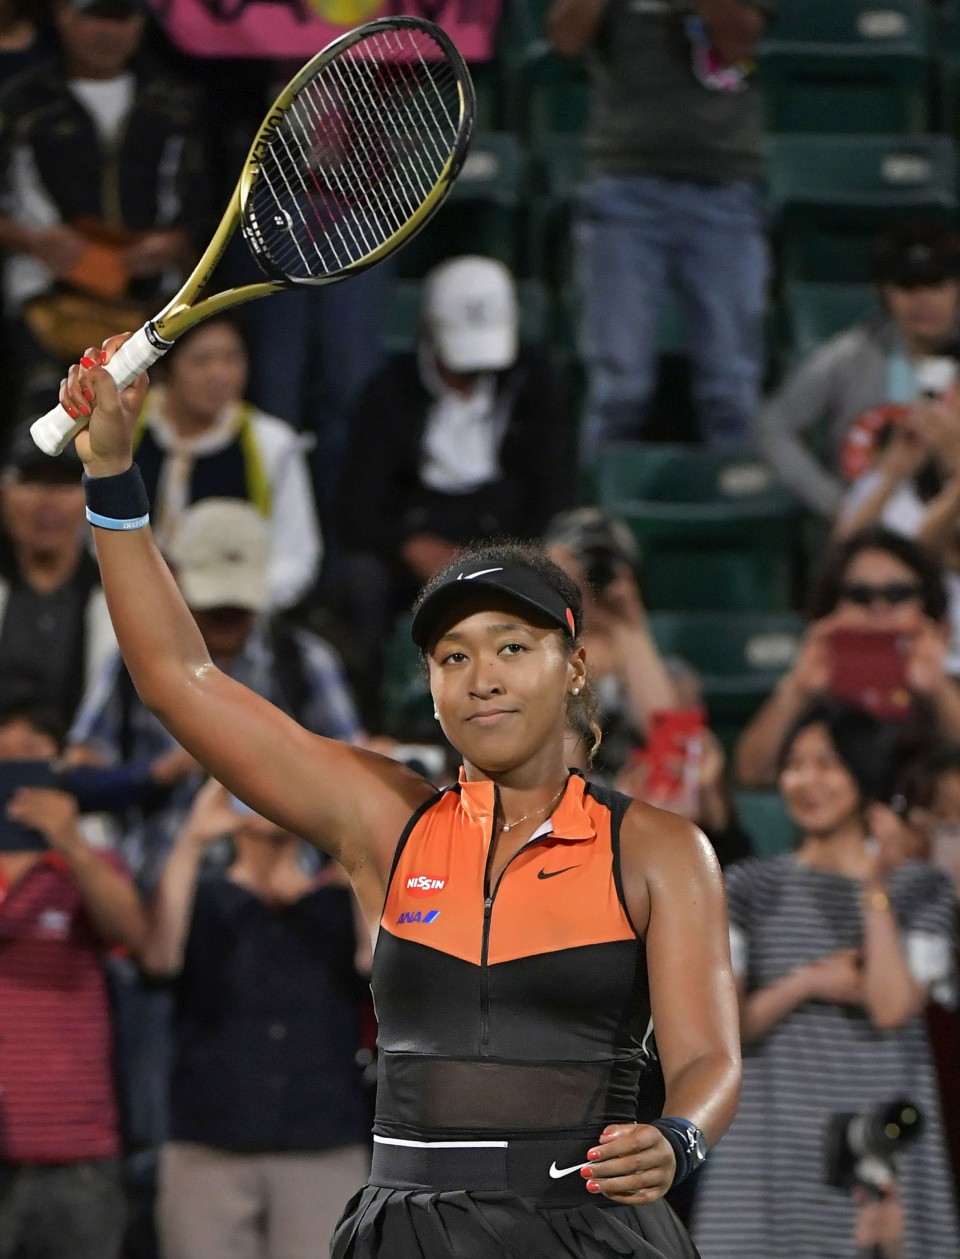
x: 763, y: 1191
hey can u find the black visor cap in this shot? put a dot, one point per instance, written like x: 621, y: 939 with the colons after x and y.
x: 516, y: 582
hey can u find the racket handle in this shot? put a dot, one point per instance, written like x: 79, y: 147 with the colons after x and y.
x: 54, y: 431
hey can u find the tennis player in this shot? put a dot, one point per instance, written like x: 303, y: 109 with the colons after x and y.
x: 533, y: 929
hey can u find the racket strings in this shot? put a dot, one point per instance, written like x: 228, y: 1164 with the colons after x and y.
x: 359, y: 150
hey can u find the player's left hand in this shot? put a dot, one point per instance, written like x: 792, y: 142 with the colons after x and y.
x: 633, y: 1163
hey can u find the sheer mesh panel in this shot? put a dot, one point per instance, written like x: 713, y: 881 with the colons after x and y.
x: 425, y: 1095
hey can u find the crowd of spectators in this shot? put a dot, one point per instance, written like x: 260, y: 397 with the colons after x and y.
x: 186, y: 1042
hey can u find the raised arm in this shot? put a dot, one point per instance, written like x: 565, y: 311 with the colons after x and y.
x: 351, y: 803
x: 172, y: 907
x: 109, y: 897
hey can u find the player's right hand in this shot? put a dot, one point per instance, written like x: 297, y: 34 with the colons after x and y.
x: 89, y: 392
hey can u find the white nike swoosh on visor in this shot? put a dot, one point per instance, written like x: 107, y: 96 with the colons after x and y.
x: 556, y: 1172
x: 482, y: 573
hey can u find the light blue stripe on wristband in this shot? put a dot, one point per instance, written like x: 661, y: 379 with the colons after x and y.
x: 121, y: 526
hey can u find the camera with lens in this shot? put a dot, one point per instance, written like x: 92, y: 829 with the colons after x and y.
x: 860, y: 1148
x: 602, y: 543
x: 600, y: 567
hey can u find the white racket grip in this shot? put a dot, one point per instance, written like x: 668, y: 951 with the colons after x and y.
x: 54, y: 431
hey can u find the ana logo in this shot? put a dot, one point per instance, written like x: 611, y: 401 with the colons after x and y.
x: 417, y: 915
x: 425, y: 885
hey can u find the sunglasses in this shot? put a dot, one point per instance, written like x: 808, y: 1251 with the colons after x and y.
x: 892, y: 592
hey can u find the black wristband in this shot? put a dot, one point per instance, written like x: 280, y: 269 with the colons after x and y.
x: 122, y: 497
x: 686, y: 1142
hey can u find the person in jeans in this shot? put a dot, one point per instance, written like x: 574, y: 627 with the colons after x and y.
x: 671, y: 201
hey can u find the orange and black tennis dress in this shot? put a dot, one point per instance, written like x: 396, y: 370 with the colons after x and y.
x: 514, y: 1024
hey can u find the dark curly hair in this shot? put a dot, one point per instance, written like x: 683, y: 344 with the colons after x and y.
x: 582, y: 710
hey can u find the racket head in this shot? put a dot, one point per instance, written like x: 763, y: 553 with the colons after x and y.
x: 358, y: 152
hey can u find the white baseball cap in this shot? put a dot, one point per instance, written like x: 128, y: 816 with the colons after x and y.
x: 469, y: 307
x: 220, y: 551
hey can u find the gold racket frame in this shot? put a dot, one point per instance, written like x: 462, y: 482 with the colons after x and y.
x: 179, y: 314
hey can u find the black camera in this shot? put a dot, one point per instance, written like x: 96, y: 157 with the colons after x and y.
x: 600, y: 567
x: 860, y: 1148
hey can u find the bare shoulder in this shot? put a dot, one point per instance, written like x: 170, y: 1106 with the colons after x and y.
x: 661, y: 852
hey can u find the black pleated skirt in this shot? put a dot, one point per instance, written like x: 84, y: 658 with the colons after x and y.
x: 389, y: 1223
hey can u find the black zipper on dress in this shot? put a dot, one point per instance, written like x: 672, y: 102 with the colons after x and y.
x: 490, y: 895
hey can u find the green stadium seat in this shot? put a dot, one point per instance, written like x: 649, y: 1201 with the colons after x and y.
x: 407, y: 702
x: 482, y: 215
x: 715, y: 530
x: 739, y: 656
x: 764, y: 817
x: 557, y: 169
x: 552, y: 93
x: 814, y: 312
x: 849, y: 66
x: 830, y: 195
x: 403, y: 315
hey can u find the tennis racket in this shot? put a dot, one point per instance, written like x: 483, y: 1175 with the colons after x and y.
x: 355, y: 155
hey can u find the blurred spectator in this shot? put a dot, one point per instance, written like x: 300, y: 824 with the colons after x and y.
x: 24, y: 42
x: 852, y: 385
x: 462, y: 442
x: 198, y: 439
x: 837, y: 948
x: 55, y: 632
x: 103, y: 187
x: 674, y: 152
x: 626, y: 671
x: 62, y: 903
x: 873, y: 580
x: 927, y: 813
x: 684, y: 770
x: 913, y: 485
x: 268, y: 1121
x: 220, y: 555
x: 317, y: 348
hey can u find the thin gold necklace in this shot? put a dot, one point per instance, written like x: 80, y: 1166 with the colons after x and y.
x: 509, y: 826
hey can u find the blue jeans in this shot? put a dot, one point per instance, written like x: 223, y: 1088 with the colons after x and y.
x: 639, y: 236
x: 312, y: 352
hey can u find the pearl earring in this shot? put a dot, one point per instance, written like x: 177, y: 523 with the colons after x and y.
x: 436, y: 715
x: 576, y: 690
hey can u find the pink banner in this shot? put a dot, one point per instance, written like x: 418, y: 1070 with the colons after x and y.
x: 299, y: 28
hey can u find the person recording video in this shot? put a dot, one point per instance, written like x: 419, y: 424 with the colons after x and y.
x: 62, y: 905
x: 599, y: 552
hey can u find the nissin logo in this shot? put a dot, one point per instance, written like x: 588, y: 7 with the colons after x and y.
x: 417, y: 916
x: 423, y: 885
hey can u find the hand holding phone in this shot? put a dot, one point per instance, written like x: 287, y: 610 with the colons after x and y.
x: 868, y: 667
x: 14, y: 835
x: 672, y: 759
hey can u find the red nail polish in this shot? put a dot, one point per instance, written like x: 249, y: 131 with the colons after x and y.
x: 586, y: 1173
x: 103, y: 357
x: 593, y: 1154
x: 73, y: 415
x: 592, y: 1186
x: 88, y: 394
x: 87, y: 362
x: 84, y: 410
